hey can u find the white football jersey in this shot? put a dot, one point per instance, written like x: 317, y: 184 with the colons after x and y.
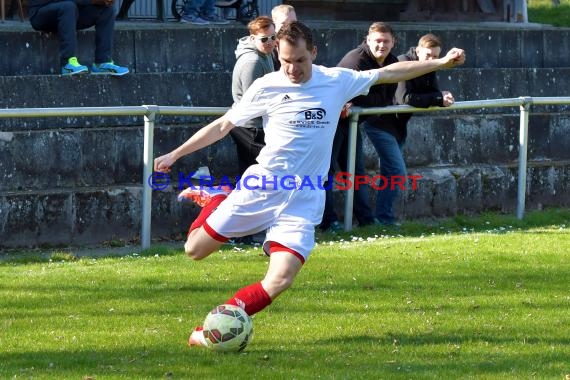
x: 300, y: 120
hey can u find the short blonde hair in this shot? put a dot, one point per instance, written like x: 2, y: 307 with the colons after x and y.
x: 429, y: 41
x: 282, y: 9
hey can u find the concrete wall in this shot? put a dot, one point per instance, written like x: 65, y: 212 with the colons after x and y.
x: 78, y: 180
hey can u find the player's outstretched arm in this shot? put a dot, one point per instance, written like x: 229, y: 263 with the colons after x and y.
x: 207, y: 135
x: 401, y: 71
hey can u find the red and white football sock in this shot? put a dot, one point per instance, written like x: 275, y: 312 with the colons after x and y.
x: 252, y: 298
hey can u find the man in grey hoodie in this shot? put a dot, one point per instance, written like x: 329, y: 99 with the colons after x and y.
x: 254, y: 60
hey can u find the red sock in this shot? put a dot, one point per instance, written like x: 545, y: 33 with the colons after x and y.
x: 252, y: 298
x: 206, y: 212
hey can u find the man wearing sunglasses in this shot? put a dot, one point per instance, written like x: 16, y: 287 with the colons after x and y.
x: 254, y: 60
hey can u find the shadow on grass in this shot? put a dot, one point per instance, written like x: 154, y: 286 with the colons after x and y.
x: 387, y: 351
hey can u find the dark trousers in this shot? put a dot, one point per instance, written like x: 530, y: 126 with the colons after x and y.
x: 65, y: 18
x: 361, y: 208
x: 249, y: 142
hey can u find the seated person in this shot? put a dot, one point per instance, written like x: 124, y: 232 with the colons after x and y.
x: 65, y: 18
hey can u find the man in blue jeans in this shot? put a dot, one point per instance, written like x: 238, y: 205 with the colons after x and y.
x: 201, y: 12
x: 421, y: 92
x: 373, y: 53
x: 65, y: 18
x: 388, y: 138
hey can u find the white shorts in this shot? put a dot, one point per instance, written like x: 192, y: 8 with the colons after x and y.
x: 289, y: 216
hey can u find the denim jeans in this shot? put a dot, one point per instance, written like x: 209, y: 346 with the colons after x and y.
x: 200, y: 8
x: 392, y: 164
x: 361, y: 207
x: 65, y: 17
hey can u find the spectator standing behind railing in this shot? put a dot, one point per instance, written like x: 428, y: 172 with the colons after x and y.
x: 419, y: 92
x: 253, y: 60
x: 373, y: 53
x: 201, y: 12
x: 65, y: 18
x: 281, y: 14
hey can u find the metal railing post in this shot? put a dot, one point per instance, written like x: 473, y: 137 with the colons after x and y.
x: 523, y: 145
x: 148, y: 166
x: 350, y: 166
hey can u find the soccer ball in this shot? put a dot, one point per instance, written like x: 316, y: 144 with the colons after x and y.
x: 227, y: 328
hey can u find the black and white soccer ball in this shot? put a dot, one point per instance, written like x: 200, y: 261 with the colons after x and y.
x: 228, y: 328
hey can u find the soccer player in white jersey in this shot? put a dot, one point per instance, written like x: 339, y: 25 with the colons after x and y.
x: 300, y: 106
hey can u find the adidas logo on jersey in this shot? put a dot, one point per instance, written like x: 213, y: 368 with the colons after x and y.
x: 285, y: 98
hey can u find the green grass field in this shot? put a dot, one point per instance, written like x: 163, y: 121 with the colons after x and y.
x: 543, y: 12
x: 470, y: 298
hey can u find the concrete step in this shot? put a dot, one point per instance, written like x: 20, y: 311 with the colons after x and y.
x: 213, y: 90
x: 174, y: 47
x: 112, y: 156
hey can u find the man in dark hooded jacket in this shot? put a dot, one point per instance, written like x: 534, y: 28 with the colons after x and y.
x: 423, y: 91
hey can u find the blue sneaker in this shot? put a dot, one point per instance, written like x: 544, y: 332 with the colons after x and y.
x: 196, y: 20
x: 73, y: 67
x: 109, y: 68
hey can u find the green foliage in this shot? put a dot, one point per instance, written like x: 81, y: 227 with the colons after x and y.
x: 483, y: 298
x: 543, y: 12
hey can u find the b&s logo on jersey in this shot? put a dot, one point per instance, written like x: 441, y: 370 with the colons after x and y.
x: 310, y: 118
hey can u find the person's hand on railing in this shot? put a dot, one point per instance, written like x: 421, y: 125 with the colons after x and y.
x: 448, y: 99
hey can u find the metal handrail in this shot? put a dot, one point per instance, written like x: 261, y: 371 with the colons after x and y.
x: 151, y: 111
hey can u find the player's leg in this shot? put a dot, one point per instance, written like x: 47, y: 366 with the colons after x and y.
x: 284, y: 265
x: 200, y: 244
x: 283, y: 268
x: 202, y: 239
x: 291, y: 218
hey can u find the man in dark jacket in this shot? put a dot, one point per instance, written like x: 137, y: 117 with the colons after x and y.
x: 373, y: 53
x: 389, y: 139
x: 65, y: 17
x: 423, y: 91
